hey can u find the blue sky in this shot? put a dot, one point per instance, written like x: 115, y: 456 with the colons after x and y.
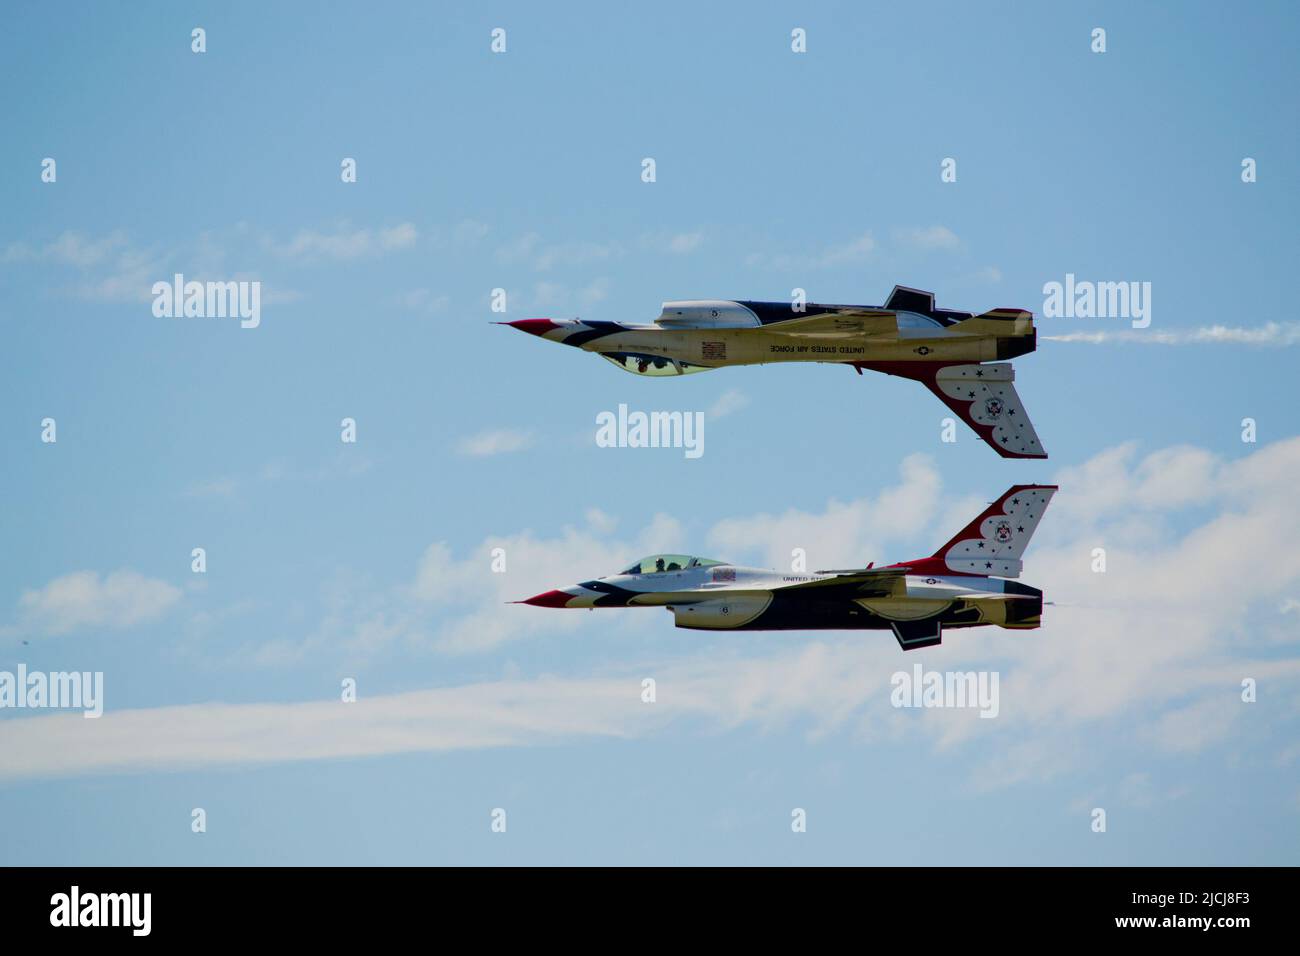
x: 521, y: 171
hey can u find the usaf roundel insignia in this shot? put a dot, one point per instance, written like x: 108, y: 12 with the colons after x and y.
x: 993, y: 408
x: 1003, y: 531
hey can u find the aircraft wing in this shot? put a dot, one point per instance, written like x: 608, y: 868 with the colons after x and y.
x: 845, y: 322
x: 863, y: 582
x: 989, y: 596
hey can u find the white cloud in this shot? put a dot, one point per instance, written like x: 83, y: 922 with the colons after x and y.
x: 83, y: 600
x: 1152, y: 651
x: 926, y: 238
x: 131, y: 279
x: 673, y: 243
x: 844, y: 535
x: 344, y: 243
x: 423, y: 300
x: 685, y: 242
x: 1156, y: 628
x: 475, y: 603
x: 112, y: 269
x: 470, y: 231
x: 603, y: 523
x: 531, y: 250
x: 863, y: 247
x: 341, y: 465
x: 125, y: 272
x: 498, y: 441
x: 597, y: 290
x: 71, y: 248
x: 557, y: 295
x: 486, y: 715
x: 855, y: 250
x: 1269, y: 334
x: 212, y: 488
x: 732, y: 400
x: 1164, y: 586
x: 74, y: 249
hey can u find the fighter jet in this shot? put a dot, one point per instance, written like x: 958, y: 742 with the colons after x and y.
x: 963, y: 584
x: 956, y: 355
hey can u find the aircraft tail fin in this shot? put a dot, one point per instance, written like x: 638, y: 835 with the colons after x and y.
x: 993, y: 544
x: 983, y: 395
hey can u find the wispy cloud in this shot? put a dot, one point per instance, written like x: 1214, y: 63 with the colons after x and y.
x: 70, y: 248
x: 989, y: 274
x: 863, y: 248
x: 926, y: 238
x: 1173, y: 691
x: 732, y: 400
x: 685, y: 242
x: 469, y: 232
x: 673, y: 243
x: 112, y: 269
x: 843, y: 533
x: 496, y: 442
x: 347, y: 464
x: 423, y: 300
x: 531, y: 250
x: 222, y: 487
x: 1269, y: 334
x: 344, y: 243
x: 856, y: 250
x: 557, y: 295
x: 470, y: 717
x: 83, y: 600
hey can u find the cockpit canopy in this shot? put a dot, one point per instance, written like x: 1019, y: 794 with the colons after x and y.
x: 663, y: 563
x: 655, y: 365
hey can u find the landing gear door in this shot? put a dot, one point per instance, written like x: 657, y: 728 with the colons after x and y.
x: 914, y: 634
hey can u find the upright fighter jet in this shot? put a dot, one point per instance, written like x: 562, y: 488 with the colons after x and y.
x: 961, y: 585
x: 944, y: 350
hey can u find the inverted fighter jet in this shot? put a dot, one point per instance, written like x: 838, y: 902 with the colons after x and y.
x: 956, y: 355
x: 963, y: 584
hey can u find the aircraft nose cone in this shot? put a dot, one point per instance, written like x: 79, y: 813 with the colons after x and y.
x: 532, y: 326
x: 549, y: 599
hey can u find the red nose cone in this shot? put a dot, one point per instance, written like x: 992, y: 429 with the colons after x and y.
x: 533, y: 326
x: 549, y: 598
